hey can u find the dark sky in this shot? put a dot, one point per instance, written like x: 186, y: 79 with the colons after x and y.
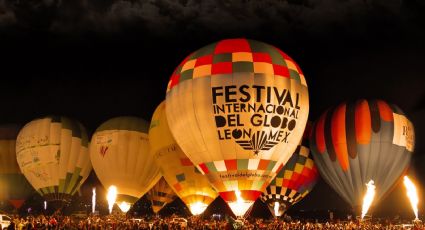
x: 96, y: 59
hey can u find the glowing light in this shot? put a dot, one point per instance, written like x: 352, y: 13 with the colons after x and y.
x: 124, y: 206
x: 45, y: 205
x: 240, y: 206
x: 368, y: 198
x: 412, y: 194
x: 111, y: 197
x: 93, y: 200
x: 197, y: 208
x: 276, y: 208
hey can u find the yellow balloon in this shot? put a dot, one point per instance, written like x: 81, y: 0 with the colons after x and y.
x: 179, y: 172
x: 52, y: 153
x: 238, y: 109
x: 119, y: 151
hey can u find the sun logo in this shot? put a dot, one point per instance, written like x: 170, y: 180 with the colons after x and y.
x: 259, y: 141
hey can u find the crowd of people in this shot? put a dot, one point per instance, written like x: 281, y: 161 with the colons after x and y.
x: 57, y: 222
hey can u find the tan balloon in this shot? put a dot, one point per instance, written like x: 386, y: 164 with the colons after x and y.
x: 119, y: 151
x: 52, y: 153
x: 179, y: 172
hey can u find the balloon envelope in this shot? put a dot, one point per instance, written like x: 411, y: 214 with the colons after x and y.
x: 354, y: 143
x: 184, y: 178
x: 238, y: 109
x: 293, y: 182
x: 14, y: 187
x: 119, y: 151
x: 52, y: 153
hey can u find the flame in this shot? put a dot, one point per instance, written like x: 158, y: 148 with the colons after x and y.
x: 111, y: 197
x: 45, y: 205
x: 276, y: 208
x: 124, y: 206
x: 412, y: 194
x: 93, y: 200
x: 368, y: 198
x: 240, y: 206
x: 197, y: 208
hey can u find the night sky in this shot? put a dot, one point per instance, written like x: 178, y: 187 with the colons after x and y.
x: 96, y: 59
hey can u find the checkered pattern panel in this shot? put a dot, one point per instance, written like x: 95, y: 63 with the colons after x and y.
x: 289, y: 197
x: 294, y: 180
x: 233, y: 173
x: 298, y: 173
x: 236, y: 56
x: 237, y: 164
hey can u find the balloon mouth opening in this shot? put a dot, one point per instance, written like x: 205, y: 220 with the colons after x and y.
x: 197, y: 208
x: 240, y: 207
x: 124, y: 206
x: 276, y: 209
x: 240, y: 204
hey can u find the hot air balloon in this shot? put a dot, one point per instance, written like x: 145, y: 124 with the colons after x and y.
x: 119, y: 152
x: 179, y: 172
x: 14, y: 187
x: 293, y: 182
x: 354, y: 143
x: 52, y: 153
x: 160, y: 195
x: 238, y: 109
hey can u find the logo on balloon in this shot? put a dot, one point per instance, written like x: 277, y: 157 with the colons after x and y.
x: 103, y: 150
x: 259, y: 141
x: 257, y: 117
